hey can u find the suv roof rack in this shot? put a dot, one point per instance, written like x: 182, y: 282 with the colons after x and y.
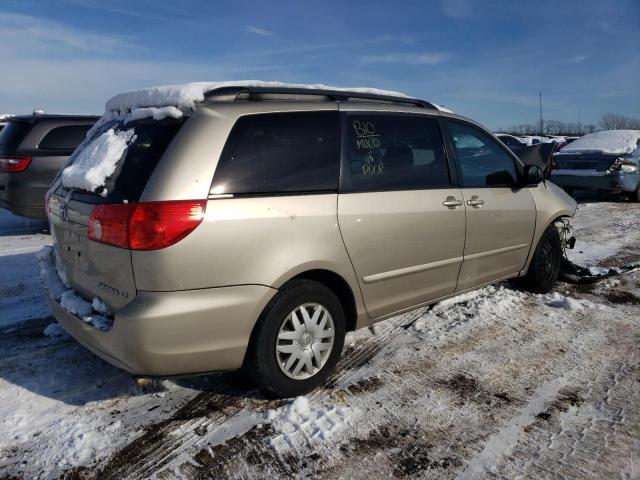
x: 254, y: 93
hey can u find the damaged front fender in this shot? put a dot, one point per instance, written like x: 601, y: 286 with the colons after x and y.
x: 567, y: 240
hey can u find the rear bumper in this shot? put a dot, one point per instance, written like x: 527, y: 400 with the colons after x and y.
x: 175, y: 333
x: 626, y: 182
x: 36, y: 213
x: 22, y: 198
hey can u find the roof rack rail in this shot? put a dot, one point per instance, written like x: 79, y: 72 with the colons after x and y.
x: 236, y: 94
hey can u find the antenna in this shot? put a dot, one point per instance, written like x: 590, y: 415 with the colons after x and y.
x: 541, y: 123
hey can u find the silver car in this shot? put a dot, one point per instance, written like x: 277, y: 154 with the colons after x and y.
x: 255, y: 227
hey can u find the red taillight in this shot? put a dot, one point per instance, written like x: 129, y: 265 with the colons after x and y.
x: 109, y: 224
x: 14, y: 163
x: 145, y: 226
x: 155, y: 225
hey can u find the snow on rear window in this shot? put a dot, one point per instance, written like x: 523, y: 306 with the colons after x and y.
x: 611, y: 141
x: 97, y: 161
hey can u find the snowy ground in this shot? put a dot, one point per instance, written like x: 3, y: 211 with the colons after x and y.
x: 497, y: 383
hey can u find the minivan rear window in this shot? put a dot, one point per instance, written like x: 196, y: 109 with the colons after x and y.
x: 138, y: 162
x: 11, y: 136
x: 274, y: 153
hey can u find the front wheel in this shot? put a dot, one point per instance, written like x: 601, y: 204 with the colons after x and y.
x: 545, y: 265
x: 297, y: 341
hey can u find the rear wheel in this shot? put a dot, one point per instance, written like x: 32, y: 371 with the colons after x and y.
x: 297, y: 340
x: 545, y: 265
x: 635, y: 196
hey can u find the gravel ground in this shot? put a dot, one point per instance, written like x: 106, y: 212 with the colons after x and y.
x: 497, y: 383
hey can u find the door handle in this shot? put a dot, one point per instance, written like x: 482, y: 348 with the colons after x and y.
x: 475, y: 201
x: 452, y: 202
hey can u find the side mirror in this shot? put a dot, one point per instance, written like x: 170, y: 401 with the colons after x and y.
x: 532, y: 176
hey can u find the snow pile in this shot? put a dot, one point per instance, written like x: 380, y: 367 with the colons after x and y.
x: 56, y: 283
x: 54, y: 330
x: 97, y: 161
x: 302, y: 423
x: 154, y: 112
x: 5, y: 116
x: 82, y: 443
x: 614, y: 142
x: 53, y: 277
x: 533, y: 139
x: 556, y: 300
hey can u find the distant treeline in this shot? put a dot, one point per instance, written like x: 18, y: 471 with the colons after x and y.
x: 608, y: 121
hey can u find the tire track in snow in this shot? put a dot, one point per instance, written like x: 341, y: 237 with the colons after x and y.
x: 162, y: 443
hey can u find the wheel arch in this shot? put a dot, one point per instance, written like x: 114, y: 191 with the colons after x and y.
x: 340, y: 287
x: 540, y: 229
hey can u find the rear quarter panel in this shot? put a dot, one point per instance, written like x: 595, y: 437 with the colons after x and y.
x: 251, y: 241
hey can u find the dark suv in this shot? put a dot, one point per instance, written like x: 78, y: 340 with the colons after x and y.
x: 32, y: 150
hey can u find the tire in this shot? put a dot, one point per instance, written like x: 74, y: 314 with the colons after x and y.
x: 545, y: 265
x: 269, y: 354
x: 635, y: 196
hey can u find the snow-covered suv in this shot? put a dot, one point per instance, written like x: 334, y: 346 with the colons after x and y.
x: 210, y: 227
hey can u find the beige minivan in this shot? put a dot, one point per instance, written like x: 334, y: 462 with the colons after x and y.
x: 252, y: 225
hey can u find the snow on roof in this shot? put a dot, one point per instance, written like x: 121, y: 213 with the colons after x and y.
x: 188, y: 94
x: 610, y: 141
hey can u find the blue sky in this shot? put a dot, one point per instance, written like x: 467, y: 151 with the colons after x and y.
x: 484, y: 59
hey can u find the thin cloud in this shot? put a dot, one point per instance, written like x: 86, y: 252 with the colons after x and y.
x: 578, y: 59
x: 159, y: 12
x: 258, y: 31
x: 457, y: 8
x: 40, y: 35
x: 429, y: 58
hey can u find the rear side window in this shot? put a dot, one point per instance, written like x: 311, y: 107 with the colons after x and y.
x: 483, y: 162
x: 394, y: 152
x: 11, y: 136
x: 280, y: 153
x: 64, y: 138
x: 133, y: 171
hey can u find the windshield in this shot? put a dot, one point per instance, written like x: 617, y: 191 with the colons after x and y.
x: 116, y: 162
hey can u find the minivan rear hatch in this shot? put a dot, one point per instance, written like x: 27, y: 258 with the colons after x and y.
x: 93, y: 268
